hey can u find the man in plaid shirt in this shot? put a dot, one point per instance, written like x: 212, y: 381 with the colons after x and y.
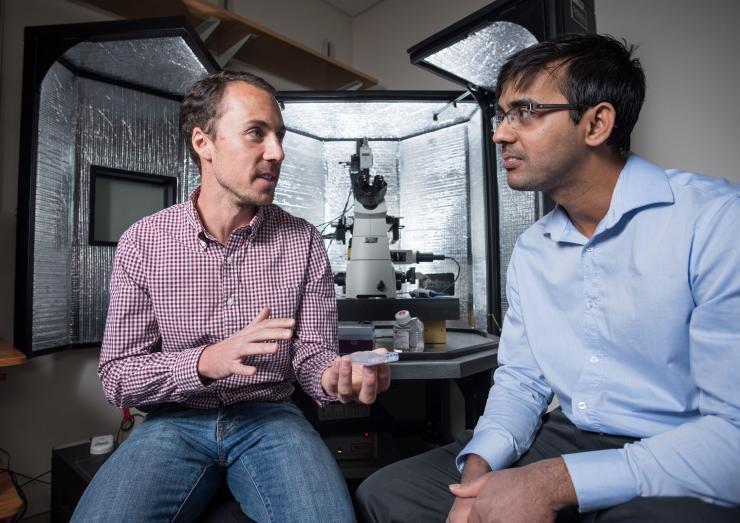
x: 216, y: 306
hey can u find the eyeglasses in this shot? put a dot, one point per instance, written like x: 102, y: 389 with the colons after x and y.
x: 524, y: 115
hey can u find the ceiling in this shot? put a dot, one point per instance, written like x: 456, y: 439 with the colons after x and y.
x: 353, y: 8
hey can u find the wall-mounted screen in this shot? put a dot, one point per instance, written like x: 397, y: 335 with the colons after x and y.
x: 119, y: 198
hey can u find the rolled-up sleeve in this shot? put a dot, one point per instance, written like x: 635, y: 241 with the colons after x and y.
x: 518, y: 397
x: 132, y: 369
x: 315, y: 346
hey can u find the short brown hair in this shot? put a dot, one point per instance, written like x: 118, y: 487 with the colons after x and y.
x: 200, y: 105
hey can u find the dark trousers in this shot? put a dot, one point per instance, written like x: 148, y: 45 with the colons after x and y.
x: 415, y: 489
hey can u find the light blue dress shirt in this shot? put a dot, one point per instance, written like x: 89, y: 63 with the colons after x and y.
x: 637, y: 331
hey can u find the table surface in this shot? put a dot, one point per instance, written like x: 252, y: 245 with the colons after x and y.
x: 9, y: 355
x: 452, y: 368
x: 10, y: 501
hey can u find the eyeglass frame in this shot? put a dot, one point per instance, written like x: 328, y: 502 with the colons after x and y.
x: 531, y: 107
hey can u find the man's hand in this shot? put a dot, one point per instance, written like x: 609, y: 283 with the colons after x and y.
x: 352, y: 382
x: 475, y: 468
x: 533, y: 493
x: 227, y: 357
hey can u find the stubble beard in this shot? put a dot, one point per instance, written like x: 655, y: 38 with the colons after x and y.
x: 245, y: 200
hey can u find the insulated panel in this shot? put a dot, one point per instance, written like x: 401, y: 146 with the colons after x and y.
x: 373, y: 119
x: 302, y: 185
x: 479, y: 223
x: 478, y: 58
x: 166, y: 64
x: 54, y: 210
x: 517, y: 211
x: 123, y: 129
x: 434, y: 192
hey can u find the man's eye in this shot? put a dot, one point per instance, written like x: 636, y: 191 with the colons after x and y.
x: 255, y: 132
x: 523, y: 113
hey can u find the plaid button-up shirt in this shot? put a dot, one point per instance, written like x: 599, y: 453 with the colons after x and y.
x: 175, y: 290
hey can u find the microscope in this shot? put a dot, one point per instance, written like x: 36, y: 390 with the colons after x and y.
x: 370, y: 272
x: 370, y: 261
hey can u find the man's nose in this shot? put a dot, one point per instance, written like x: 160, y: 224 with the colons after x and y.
x: 274, y: 150
x: 503, y: 133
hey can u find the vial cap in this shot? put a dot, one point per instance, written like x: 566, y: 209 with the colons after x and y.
x: 403, y: 317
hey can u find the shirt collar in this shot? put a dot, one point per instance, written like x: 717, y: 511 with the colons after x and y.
x: 639, y: 185
x: 196, y: 223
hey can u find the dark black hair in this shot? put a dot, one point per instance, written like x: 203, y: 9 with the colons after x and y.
x: 592, y: 69
x: 200, y: 105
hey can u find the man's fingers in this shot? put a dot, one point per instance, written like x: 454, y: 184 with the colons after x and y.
x: 469, y: 489
x: 333, y: 378
x: 344, y: 386
x: 255, y: 349
x: 271, y: 323
x: 243, y: 370
x: 384, y: 377
x: 267, y: 334
x: 369, y: 388
x: 263, y: 315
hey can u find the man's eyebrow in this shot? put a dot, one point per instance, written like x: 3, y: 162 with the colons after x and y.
x: 517, y: 103
x: 262, y: 123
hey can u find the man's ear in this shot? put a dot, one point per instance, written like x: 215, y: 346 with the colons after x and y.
x: 202, y: 144
x: 600, y: 122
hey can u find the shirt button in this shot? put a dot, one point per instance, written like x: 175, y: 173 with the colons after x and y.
x: 229, y: 259
x: 590, y: 248
x: 594, y: 359
x: 589, y: 304
x: 581, y: 405
x: 230, y: 300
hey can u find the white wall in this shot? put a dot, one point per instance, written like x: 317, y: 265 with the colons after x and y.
x: 309, y: 22
x: 383, y: 34
x: 689, y: 49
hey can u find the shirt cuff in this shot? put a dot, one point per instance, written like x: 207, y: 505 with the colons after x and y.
x: 494, y: 450
x: 601, y: 478
x: 185, y: 372
x: 318, y: 365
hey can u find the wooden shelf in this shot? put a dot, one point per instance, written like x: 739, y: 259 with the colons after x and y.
x: 269, y: 52
x: 10, y: 501
x: 10, y: 355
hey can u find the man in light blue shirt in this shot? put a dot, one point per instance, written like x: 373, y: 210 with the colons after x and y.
x: 624, y: 301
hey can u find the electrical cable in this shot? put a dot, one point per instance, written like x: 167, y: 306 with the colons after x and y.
x: 344, y: 212
x: 456, y: 277
x: 35, y: 478
x: 326, y: 224
x: 14, y: 479
x: 127, y: 423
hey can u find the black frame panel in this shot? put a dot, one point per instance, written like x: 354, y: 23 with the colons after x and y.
x: 489, y: 166
x: 169, y: 183
x: 43, y: 46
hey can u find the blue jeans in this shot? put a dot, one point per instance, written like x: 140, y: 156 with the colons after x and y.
x: 274, y: 462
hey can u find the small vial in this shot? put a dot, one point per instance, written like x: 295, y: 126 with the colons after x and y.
x: 408, y: 333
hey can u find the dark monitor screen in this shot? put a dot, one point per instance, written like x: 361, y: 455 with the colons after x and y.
x: 119, y: 198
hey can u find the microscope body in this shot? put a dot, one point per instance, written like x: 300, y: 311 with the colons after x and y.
x: 370, y: 272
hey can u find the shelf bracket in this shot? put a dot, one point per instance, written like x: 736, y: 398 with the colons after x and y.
x: 352, y: 86
x: 206, y: 27
x: 227, y: 55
